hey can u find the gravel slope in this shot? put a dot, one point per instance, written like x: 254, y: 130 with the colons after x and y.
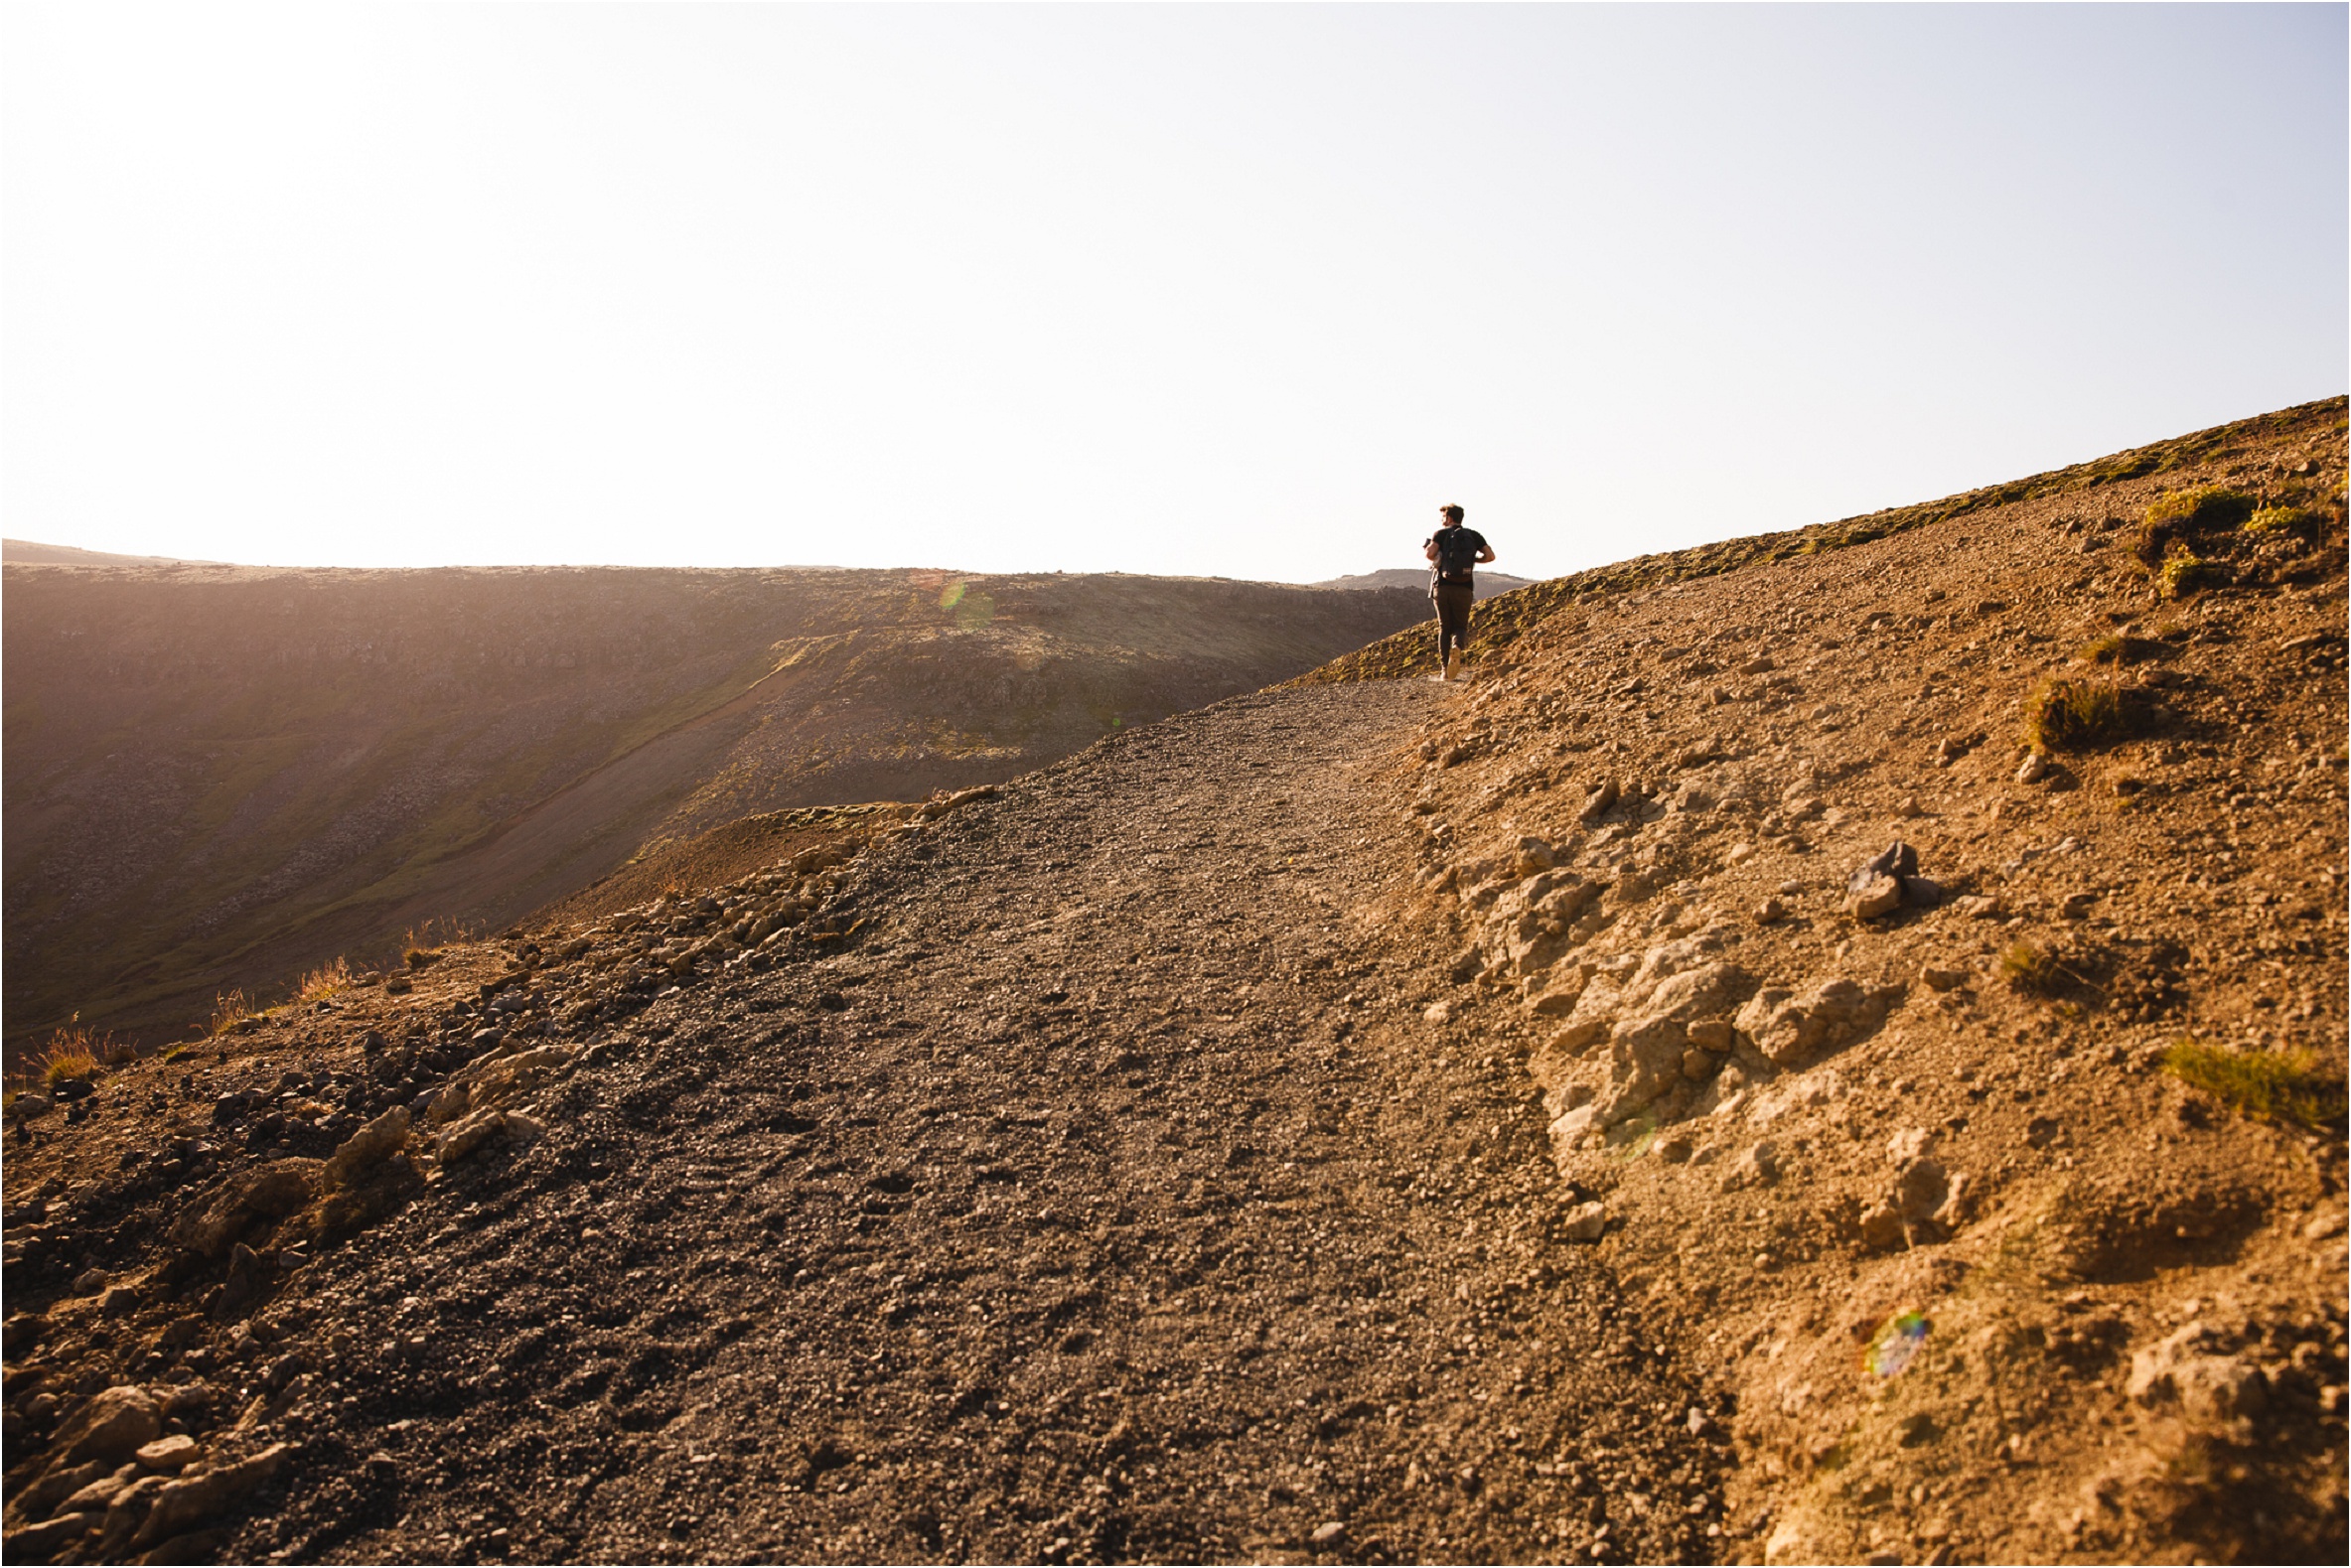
x: 1103, y: 1200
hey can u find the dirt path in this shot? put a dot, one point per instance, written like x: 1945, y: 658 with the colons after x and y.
x: 1096, y: 1203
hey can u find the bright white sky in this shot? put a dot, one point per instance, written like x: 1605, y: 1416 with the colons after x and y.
x: 1230, y: 290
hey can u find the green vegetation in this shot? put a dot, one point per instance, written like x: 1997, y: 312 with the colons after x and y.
x: 2290, y: 1086
x: 2185, y: 515
x: 2030, y: 968
x: 2184, y: 572
x: 2282, y: 519
x: 2067, y: 714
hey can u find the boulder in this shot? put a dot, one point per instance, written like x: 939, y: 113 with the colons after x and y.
x: 1532, y: 923
x: 370, y: 1146
x: 2180, y: 1369
x: 267, y: 1191
x: 111, y: 1426
x: 180, y: 1504
x: 1791, y: 1029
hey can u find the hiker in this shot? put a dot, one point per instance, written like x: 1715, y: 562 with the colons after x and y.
x: 1453, y: 553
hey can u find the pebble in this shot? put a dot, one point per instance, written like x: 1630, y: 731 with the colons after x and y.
x: 1585, y: 1223
x: 1771, y: 910
x: 2033, y: 770
x: 1327, y: 1532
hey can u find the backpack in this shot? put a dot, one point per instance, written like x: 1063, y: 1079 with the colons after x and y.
x: 1457, y: 555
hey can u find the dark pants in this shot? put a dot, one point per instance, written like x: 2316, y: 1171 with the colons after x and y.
x: 1453, y: 601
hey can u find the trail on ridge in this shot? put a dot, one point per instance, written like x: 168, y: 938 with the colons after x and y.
x: 1105, y: 1199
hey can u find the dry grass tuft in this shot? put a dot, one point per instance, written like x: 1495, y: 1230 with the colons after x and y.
x: 2065, y: 714
x: 2121, y: 648
x: 2291, y: 1087
x: 324, y: 981
x: 230, y: 1008
x: 72, y: 1052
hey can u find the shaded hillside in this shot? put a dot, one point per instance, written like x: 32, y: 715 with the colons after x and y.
x: 217, y: 776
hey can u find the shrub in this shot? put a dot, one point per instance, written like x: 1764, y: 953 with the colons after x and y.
x: 324, y: 981
x: 2281, y: 520
x: 2188, y: 514
x: 2065, y: 714
x: 2272, y: 1085
x: 2184, y: 572
x: 2119, y: 649
x: 2029, y: 968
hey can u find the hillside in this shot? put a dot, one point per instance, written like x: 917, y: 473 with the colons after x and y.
x: 218, y: 776
x: 1489, y: 583
x: 28, y: 552
x: 1370, y: 1120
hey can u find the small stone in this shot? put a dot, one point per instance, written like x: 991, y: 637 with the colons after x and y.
x: 1941, y: 979
x: 1327, y: 1532
x: 1880, y: 894
x: 2077, y: 906
x: 1584, y: 1222
x: 2033, y: 770
x: 1437, y: 1013
x: 1771, y: 911
x: 1908, y: 806
x: 2323, y: 1226
x: 1697, y: 1066
x: 175, y: 1452
x: 1760, y: 665
x: 1981, y: 907
x: 1697, y: 1423
x: 90, y: 1282
x: 1673, y: 1148
x: 1709, y: 1033
x: 1882, y: 1227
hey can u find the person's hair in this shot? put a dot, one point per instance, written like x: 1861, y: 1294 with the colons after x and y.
x: 1454, y: 514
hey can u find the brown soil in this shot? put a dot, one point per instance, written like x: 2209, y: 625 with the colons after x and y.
x: 1365, y: 1120
x: 726, y: 854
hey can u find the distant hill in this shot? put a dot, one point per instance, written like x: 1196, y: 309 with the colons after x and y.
x: 217, y: 776
x: 1489, y: 583
x: 28, y: 552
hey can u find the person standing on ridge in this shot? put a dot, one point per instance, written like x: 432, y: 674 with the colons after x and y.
x: 1454, y: 552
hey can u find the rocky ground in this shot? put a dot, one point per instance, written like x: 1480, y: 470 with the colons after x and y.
x: 1371, y: 1120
